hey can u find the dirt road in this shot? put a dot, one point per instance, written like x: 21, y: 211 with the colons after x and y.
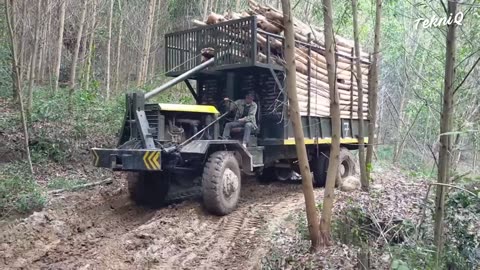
x: 102, y: 229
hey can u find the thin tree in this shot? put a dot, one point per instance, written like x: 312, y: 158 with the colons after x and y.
x: 33, y: 63
x: 73, y: 70
x: 59, y: 43
x: 361, y: 146
x: 332, y: 171
x: 205, y: 10
x: 23, y: 40
x: 47, y: 66
x: 294, y: 111
x: 156, y: 28
x: 142, y: 73
x: 373, y: 89
x: 119, y: 46
x: 444, y: 158
x: 10, y: 14
x: 41, y: 49
x: 109, y: 49
x: 91, y: 45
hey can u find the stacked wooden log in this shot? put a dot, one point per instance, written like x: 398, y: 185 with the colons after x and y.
x: 312, y: 83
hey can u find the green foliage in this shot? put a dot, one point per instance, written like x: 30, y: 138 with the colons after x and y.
x: 352, y: 226
x: 463, y: 219
x: 399, y: 265
x: 63, y: 122
x: 413, y: 256
x: 302, y: 226
x: 18, y: 191
x: 5, y: 71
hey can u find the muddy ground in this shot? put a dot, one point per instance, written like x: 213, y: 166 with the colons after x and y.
x: 102, y: 229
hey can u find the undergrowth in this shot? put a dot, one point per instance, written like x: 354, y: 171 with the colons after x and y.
x: 19, y: 192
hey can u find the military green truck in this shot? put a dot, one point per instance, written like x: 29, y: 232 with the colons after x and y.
x: 171, y: 151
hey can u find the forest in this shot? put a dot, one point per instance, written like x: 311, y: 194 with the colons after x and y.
x: 66, y: 65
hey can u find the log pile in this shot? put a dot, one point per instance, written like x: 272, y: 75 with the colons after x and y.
x: 312, y: 85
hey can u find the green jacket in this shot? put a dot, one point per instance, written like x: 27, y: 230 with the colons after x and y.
x: 251, y: 117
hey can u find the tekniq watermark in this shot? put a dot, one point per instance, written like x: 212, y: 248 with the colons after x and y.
x: 437, y: 21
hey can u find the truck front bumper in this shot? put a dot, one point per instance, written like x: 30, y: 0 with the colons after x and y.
x: 127, y: 159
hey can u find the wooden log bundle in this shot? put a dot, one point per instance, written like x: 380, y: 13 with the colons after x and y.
x: 311, y: 65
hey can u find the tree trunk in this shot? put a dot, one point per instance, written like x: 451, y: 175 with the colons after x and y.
x: 47, y: 66
x: 142, y: 74
x: 91, y: 46
x: 155, y: 42
x: 59, y: 44
x: 73, y: 70
x: 119, y: 47
x: 10, y: 19
x: 294, y: 111
x: 361, y: 146
x: 474, y: 162
x: 205, y: 10
x: 237, y: 5
x: 41, y: 49
x: 23, y: 39
x: 332, y: 172
x: 109, y: 49
x: 33, y: 63
x: 212, y: 5
x: 373, y: 90
x: 444, y: 159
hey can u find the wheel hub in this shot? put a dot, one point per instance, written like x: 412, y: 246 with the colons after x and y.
x: 230, y: 182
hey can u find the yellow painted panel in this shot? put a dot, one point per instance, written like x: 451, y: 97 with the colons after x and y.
x: 188, y: 108
x: 291, y: 141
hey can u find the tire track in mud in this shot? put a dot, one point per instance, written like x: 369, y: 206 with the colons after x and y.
x: 237, y: 236
x: 109, y: 232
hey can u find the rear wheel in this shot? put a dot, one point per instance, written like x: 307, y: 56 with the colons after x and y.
x: 148, y: 188
x: 272, y: 174
x: 347, y: 163
x: 221, y: 183
x: 319, y: 166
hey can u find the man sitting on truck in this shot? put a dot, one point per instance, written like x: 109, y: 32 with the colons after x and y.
x: 246, y: 110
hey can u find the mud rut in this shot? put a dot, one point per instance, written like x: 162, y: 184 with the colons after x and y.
x: 103, y: 229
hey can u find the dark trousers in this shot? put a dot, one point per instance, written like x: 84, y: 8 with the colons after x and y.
x: 246, y: 133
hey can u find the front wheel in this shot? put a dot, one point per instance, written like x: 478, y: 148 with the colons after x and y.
x: 148, y: 188
x: 221, y: 183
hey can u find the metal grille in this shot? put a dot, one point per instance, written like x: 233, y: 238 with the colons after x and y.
x: 152, y: 118
x: 233, y: 43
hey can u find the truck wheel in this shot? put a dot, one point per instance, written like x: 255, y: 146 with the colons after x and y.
x: 221, y: 183
x: 347, y: 163
x: 272, y: 174
x: 319, y: 167
x: 148, y: 188
x: 267, y: 175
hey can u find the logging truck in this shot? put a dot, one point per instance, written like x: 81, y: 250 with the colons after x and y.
x: 171, y: 151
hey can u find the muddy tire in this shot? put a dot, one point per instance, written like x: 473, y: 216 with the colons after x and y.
x: 221, y: 183
x: 266, y: 176
x: 146, y: 188
x: 272, y: 174
x: 347, y: 163
x: 319, y: 167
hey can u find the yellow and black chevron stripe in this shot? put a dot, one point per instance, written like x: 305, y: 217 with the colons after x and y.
x: 95, y: 158
x: 151, y: 160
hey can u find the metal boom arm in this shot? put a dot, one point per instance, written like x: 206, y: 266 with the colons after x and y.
x: 178, y: 79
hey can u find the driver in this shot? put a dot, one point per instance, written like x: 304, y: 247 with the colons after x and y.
x: 244, y: 117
